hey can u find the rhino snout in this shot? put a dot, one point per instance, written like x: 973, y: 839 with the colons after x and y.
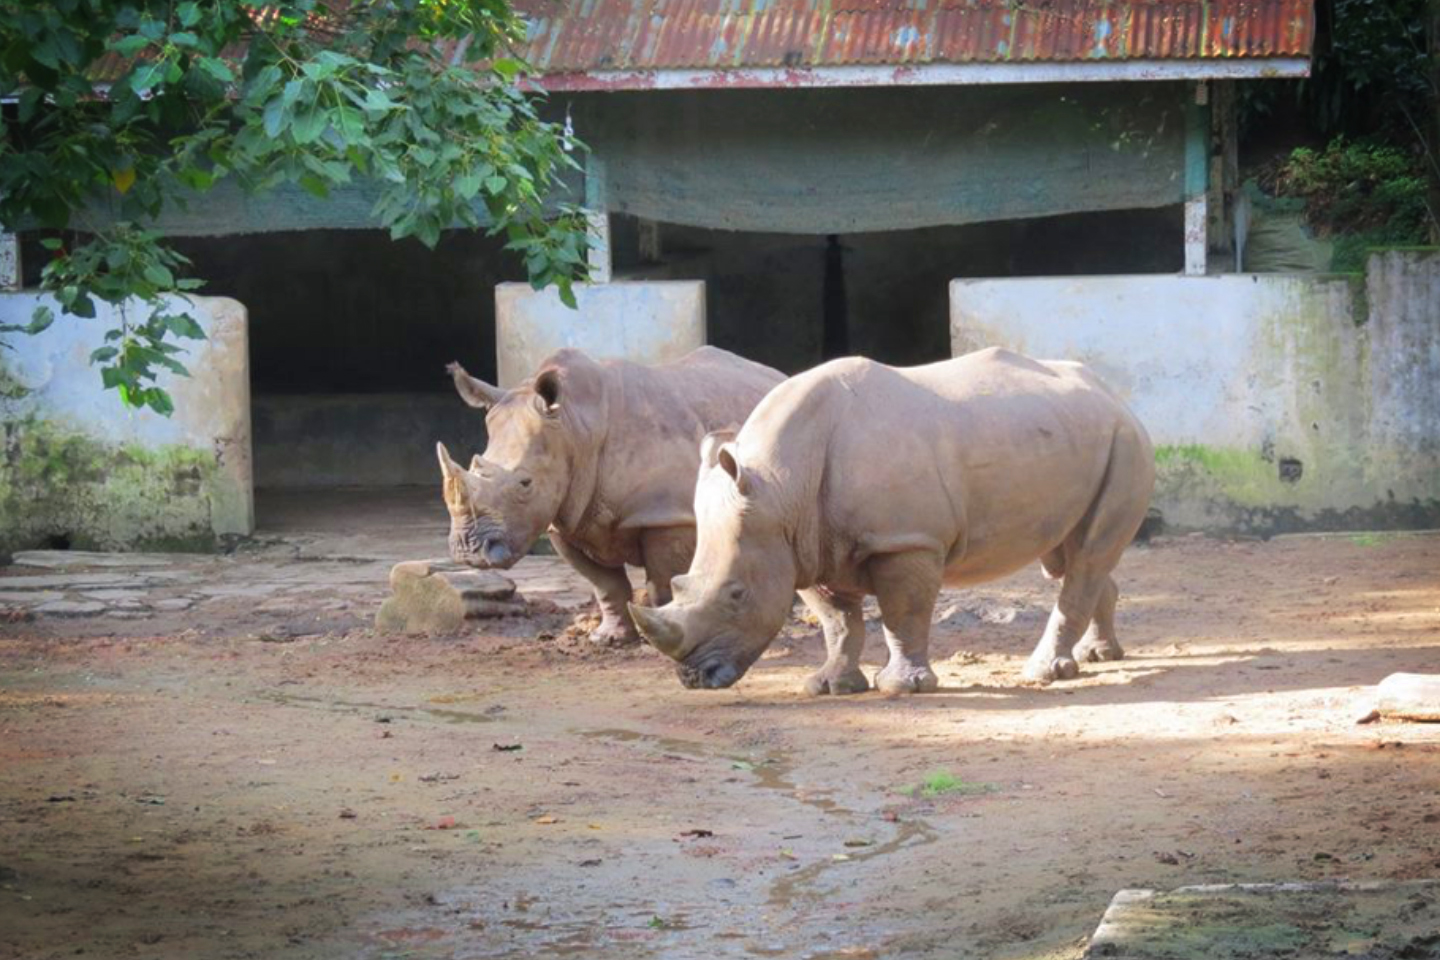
x: 497, y: 552
x: 715, y: 675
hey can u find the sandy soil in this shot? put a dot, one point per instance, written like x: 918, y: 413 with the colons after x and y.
x: 202, y: 784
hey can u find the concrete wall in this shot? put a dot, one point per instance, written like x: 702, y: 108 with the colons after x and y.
x: 1276, y: 403
x: 366, y: 440
x: 78, y: 468
x: 648, y: 322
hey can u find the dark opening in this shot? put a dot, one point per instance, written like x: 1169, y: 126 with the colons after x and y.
x: 349, y: 334
x: 795, y: 300
x: 57, y: 541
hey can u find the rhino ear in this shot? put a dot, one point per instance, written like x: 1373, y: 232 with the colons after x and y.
x: 475, y: 462
x: 727, y: 460
x: 710, y: 446
x: 448, y: 466
x: 547, y: 392
x: 475, y: 392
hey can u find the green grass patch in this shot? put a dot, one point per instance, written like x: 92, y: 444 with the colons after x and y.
x: 943, y: 782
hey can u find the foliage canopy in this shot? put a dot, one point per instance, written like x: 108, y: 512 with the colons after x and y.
x: 144, y: 104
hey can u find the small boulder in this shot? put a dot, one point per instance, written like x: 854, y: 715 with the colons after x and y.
x: 438, y: 596
x: 1409, y: 696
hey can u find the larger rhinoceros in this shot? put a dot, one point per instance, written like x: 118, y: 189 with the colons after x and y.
x: 856, y: 478
x: 604, y: 454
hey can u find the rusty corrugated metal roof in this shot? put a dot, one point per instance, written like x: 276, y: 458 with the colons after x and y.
x: 586, y: 36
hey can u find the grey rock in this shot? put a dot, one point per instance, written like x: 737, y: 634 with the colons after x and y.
x: 71, y: 608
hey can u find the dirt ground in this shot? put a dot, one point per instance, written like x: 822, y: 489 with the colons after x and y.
x: 260, y: 775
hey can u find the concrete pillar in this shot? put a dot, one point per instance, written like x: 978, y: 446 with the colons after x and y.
x: 649, y: 241
x: 1197, y: 170
x: 597, y: 217
x: 647, y: 321
x: 11, y: 277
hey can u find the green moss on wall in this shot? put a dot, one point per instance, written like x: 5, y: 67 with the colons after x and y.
x: 59, y: 484
x: 1240, y: 476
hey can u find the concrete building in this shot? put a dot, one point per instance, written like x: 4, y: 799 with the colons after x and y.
x: 798, y: 179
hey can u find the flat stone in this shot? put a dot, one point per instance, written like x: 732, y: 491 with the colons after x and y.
x: 115, y: 594
x: 30, y: 596
x: 437, y: 596
x: 71, y: 608
x: 75, y: 559
x: 1298, y: 920
x: 1409, y: 696
x: 172, y: 604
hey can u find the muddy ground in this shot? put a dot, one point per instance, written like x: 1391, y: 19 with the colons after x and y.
x: 259, y: 775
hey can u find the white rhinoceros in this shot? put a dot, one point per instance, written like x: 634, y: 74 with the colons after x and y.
x: 604, y: 455
x: 855, y: 478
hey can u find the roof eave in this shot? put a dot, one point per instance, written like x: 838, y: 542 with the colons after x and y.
x: 922, y: 75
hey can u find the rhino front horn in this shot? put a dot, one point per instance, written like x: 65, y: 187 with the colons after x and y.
x: 658, y: 627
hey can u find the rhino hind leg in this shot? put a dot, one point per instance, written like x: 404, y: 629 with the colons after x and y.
x: 1099, y: 642
x: 612, y: 593
x: 906, y: 586
x: 1091, y: 552
x: 842, y: 617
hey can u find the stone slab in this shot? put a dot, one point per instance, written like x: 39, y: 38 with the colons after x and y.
x: 438, y: 596
x: 1409, y: 696
x: 79, y: 559
x: 1300, y: 921
x: 71, y: 608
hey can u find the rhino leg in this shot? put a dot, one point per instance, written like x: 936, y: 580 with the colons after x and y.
x: 1099, y: 642
x: 612, y: 592
x: 906, y: 586
x: 843, y: 620
x: 666, y: 552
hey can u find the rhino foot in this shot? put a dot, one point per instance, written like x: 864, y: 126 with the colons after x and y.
x: 1060, y: 668
x: 829, y: 680
x: 904, y: 677
x: 615, y: 633
x: 1097, y: 651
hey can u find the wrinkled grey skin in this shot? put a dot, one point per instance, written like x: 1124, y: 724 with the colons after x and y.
x: 855, y: 478
x: 604, y: 456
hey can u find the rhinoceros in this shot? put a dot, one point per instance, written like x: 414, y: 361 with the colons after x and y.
x: 855, y: 478
x: 604, y: 454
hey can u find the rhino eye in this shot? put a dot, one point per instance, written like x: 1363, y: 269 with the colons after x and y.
x: 737, y: 593
x: 525, y: 483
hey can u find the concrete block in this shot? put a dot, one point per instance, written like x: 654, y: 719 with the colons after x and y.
x: 1409, y: 696
x: 1300, y: 920
x: 645, y: 321
x: 438, y: 596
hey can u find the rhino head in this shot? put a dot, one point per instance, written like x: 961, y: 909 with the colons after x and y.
x: 738, y: 592
x: 509, y: 496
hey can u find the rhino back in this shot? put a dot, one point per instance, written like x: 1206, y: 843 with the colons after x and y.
x: 991, y: 457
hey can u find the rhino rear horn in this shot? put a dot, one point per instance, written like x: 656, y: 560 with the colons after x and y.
x: 660, y: 628
x: 473, y: 391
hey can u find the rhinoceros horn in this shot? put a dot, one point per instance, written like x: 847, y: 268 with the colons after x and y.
x: 473, y: 391
x: 661, y: 627
x: 447, y: 465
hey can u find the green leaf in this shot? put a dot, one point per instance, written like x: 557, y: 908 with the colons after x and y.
x: 495, y: 185
x: 158, y: 275
x: 184, y: 39
x: 131, y: 45
x: 52, y: 243
x: 308, y: 126
x: 507, y: 67
x: 40, y: 320
x: 103, y: 354
x: 377, y: 101
x: 216, y: 68
x: 313, y: 185
x: 274, y: 118
x: 147, y: 75
x: 189, y: 14
x: 184, y: 325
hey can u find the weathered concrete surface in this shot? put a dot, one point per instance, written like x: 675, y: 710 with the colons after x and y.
x: 79, y: 467
x: 647, y: 322
x: 360, y: 440
x: 1306, y: 921
x: 438, y: 596
x: 1409, y: 696
x: 1276, y: 403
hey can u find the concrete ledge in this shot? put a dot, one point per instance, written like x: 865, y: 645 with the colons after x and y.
x: 1297, y: 920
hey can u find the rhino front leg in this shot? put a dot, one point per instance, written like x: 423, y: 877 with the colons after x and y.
x: 906, y: 585
x: 666, y: 552
x: 1099, y: 642
x: 842, y: 618
x: 612, y: 592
